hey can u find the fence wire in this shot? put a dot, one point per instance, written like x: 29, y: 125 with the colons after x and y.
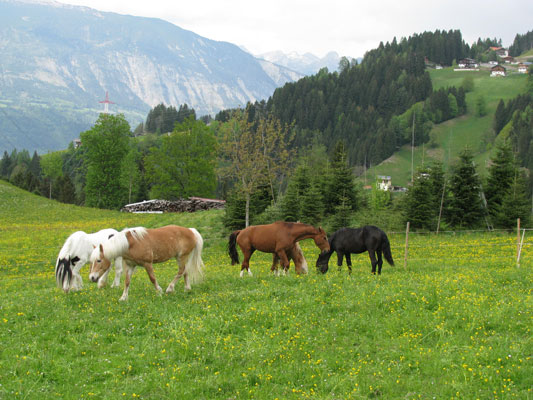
x: 24, y: 251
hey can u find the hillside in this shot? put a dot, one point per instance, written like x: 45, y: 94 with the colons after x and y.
x: 451, y: 137
x: 58, y: 61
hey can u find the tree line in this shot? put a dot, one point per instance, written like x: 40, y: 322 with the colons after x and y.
x: 364, y: 103
x: 293, y: 157
x: 463, y: 200
x: 521, y: 44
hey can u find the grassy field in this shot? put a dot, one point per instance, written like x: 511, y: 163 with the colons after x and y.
x: 452, y: 137
x: 455, y: 323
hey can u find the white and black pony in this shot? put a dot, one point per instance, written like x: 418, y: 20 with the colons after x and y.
x: 76, y: 252
x: 348, y: 241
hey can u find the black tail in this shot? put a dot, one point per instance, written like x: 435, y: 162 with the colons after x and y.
x: 232, y: 248
x: 385, y: 247
x: 63, y: 273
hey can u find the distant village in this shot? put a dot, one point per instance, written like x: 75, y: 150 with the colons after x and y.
x: 505, y: 64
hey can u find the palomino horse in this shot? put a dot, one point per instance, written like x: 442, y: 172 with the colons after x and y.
x: 277, y: 238
x: 144, y: 247
x: 296, y: 254
x: 75, y: 253
x: 346, y: 241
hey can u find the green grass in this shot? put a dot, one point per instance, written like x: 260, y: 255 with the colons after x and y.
x: 454, y: 324
x: 452, y: 137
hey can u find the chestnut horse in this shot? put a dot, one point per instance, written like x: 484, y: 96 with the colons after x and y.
x: 296, y: 254
x: 277, y: 238
x: 144, y: 247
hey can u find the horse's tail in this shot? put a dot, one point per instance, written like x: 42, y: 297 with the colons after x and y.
x: 232, y: 247
x: 303, y: 267
x: 195, y: 265
x: 63, y: 272
x: 385, y: 247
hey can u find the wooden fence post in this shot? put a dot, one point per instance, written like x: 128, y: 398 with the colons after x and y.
x: 406, y: 245
x: 518, y: 242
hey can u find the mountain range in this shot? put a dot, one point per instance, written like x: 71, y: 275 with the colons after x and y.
x: 307, y: 64
x: 58, y: 61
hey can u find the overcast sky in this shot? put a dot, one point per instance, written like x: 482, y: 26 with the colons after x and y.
x: 349, y: 27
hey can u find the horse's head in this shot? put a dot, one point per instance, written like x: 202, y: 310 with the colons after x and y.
x: 99, y: 264
x: 321, y: 240
x: 322, y: 262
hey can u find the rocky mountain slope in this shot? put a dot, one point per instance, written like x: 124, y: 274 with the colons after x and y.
x: 58, y: 61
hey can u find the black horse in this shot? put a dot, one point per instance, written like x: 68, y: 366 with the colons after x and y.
x: 349, y: 240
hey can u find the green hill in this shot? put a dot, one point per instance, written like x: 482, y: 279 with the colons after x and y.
x: 451, y: 137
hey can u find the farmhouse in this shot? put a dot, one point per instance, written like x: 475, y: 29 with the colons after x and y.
x: 468, y: 63
x: 500, y: 51
x: 497, y: 70
x: 384, y: 183
x: 522, y: 68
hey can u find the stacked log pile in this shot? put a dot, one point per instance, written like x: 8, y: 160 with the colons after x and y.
x: 191, y: 204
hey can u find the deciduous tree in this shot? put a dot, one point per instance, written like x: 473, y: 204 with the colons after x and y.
x: 106, y: 144
x: 184, y: 165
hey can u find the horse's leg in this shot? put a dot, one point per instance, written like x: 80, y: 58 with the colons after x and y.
x: 182, y: 260
x: 340, y: 254
x: 284, y: 261
x: 247, y: 253
x: 150, y: 270
x: 373, y: 260
x: 275, y: 263
x: 76, y: 282
x: 349, y: 262
x: 103, y: 279
x: 118, y: 272
x: 380, y: 260
x: 129, y: 273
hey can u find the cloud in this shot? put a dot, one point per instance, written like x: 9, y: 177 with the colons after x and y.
x: 349, y: 27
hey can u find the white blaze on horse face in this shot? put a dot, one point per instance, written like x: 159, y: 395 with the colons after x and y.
x: 99, y: 267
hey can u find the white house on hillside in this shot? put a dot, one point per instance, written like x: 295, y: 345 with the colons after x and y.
x: 384, y: 182
x: 497, y: 70
x: 468, y: 63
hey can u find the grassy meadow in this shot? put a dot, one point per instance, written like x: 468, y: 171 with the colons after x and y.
x: 455, y: 323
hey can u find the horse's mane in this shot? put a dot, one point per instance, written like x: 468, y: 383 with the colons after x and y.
x: 137, y: 233
x: 66, y: 250
x: 118, y: 243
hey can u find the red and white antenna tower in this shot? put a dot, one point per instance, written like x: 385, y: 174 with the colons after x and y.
x: 106, y: 103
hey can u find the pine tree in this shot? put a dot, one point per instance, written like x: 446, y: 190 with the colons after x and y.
x: 419, y: 202
x: 515, y: 204
x: 293, y: 201
x: 290, y: 205
x: 501, y: 175
x: 341, y: 185
x: 313, y: 207
x: 500, y: 117
x: 343, y: 214
x: 466, y: 208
